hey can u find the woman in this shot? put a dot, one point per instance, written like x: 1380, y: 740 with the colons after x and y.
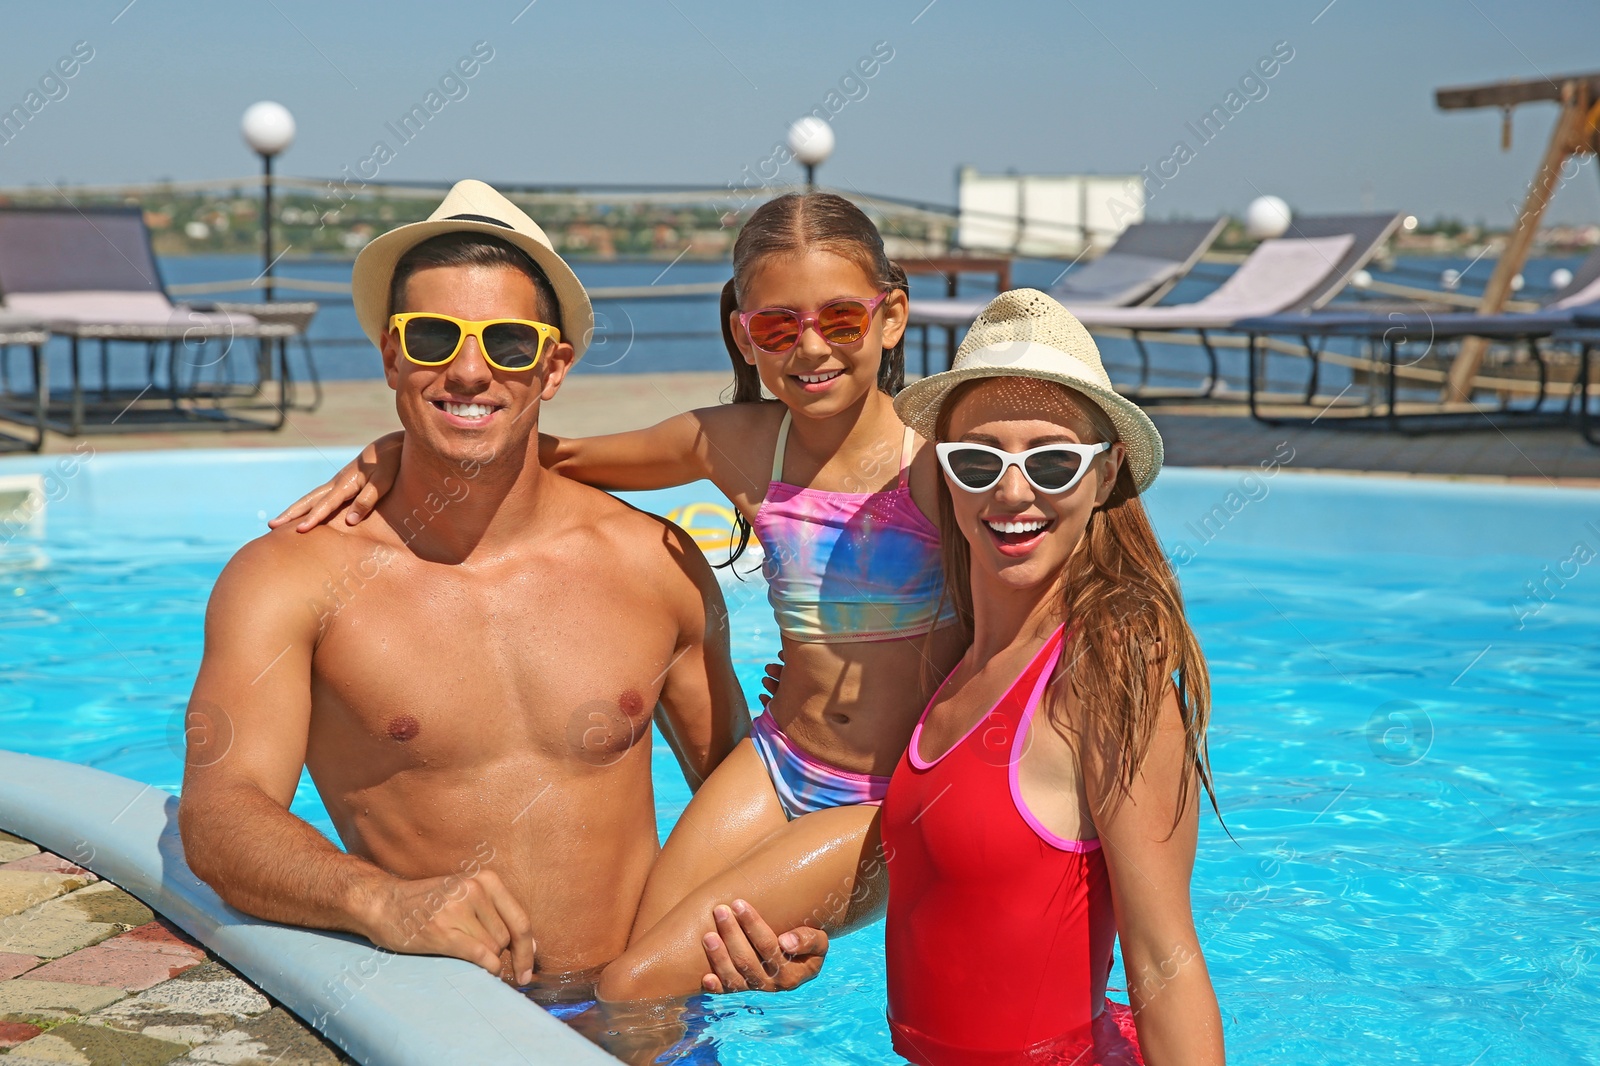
x: 1048, y: 802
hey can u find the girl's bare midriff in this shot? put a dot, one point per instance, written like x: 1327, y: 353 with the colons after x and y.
x: 853, y: 705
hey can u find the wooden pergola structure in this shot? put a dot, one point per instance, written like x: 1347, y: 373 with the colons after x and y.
x: 1577, y: 132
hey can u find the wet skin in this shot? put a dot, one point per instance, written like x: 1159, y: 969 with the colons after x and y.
x: 470, y: 677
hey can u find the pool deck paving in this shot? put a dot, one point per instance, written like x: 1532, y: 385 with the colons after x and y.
x: 1199, y: 435
x: 89, y: 976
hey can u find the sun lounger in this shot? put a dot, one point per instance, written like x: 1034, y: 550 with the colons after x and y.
x: 1144, y: 263
x: 1565, y: 312
x: 91, y: 274
x: 1386, y: 333
x: 1301, y: 270
x: 19, y: 331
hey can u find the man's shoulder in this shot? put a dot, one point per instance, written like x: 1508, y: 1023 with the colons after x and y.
x: 619, y: 523
x: 284, y: 558
x: 633, y: 538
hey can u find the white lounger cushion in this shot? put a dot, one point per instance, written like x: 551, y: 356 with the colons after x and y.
x: 1589, y: 294
x: 1115, y: 279
x: 133, y: 315
x: 21, y: 329
x: 1275, y: 277
x: 115, y: 308
x: 958, y: 312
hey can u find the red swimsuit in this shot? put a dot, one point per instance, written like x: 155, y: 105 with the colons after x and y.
x: 999, y: 933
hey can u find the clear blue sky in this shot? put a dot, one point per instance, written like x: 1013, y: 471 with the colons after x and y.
x: 692, y: 91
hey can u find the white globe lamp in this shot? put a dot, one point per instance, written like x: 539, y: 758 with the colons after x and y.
x: 1266, y: 217
x: 811, y: 141
x: 1560, y: 278
x: 268, y: 129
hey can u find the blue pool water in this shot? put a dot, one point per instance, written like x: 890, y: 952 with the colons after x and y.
x: 1404, y: 738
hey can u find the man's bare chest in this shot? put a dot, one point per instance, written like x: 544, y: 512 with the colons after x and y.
x: 450, y: 673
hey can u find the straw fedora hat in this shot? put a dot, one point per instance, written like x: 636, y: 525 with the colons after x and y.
x: 470, y: 207
x: 1024, y: 333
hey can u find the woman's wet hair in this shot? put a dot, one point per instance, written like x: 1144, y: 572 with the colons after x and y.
x: 789, y: 226
x: 1122, y: 604
x: 473, y: 249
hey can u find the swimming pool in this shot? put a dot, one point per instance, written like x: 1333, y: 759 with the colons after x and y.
x: 1403, y: 736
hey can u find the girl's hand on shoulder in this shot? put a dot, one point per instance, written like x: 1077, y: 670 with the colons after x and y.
x: 361, y: 483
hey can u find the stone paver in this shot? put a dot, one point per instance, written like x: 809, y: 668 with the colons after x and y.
x: 92, y: 1045
x: 71, y: 951
x: 50, y: 938
x: 15, y: 965
x: 45, y: 862
x: 134, y: 961
x: 201, y: 1007
x: 21, y: 889
x: 14, y: 1033
x: 26, y: 997
x: 205, y: 990
x: 15, y: 848
x: 132, y: 970
x: 273, y: 1039
x: 159, y: 935
x: 101, y: 902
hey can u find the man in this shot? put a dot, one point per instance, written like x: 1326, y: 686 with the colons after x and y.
x: 471, y: 675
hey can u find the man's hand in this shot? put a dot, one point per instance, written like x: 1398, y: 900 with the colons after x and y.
x: 774, y: 675
x: 473, y: 918
x: 745, y: 955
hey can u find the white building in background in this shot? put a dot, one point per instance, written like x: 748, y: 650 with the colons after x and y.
x: 1045, y: 215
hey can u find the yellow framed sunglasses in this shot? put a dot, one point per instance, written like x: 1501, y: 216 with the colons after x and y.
x: 511, y: 344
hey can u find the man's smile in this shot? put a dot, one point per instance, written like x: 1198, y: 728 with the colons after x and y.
x: 468, y: 413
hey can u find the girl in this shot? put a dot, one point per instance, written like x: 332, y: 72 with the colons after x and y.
x: 1047, y: 803
x: 838, y: 492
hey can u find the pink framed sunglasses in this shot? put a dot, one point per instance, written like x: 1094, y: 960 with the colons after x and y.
x: 777, y: 330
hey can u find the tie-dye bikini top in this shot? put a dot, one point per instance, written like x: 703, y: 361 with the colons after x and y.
x: 850, y: 566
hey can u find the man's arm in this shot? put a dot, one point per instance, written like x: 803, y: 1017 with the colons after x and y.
x: 247, y: 726
x: 703, y: 709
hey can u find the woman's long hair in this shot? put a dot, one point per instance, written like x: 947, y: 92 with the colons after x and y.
x: 1122, y: 604
x: 791, y: 225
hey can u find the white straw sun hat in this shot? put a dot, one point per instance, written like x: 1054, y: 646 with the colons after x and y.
x: 1023, y: 333
x: 470, y: 207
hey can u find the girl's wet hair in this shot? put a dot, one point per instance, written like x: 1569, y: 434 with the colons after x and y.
x: 1130, y: 637
x: 792, y: 225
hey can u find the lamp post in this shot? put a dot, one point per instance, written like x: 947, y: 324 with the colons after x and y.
x: 811, y: 141
x: 268, y: 129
